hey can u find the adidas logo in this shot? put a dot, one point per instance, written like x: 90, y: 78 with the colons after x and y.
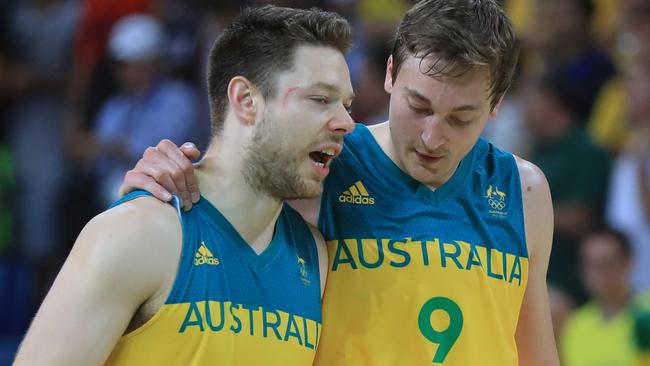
x: 204, y: 256
x: 357, y: 194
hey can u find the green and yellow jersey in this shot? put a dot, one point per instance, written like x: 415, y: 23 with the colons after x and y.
x: 420, y: 276
x: 231, y: 306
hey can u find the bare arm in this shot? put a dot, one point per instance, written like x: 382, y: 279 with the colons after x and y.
x: 100, y: 287
x: 323, y: 262
x: 535, y: 342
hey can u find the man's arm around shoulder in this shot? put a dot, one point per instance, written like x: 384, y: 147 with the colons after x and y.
x: 120, y: 260
x: 535, y: 342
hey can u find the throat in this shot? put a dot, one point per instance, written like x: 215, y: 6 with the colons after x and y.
x: 253, y: 216
x: 263, y: 241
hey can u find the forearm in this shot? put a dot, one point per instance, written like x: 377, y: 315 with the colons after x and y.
x: 535, y: 340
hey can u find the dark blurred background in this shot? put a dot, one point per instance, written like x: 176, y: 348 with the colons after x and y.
x: 87, y: 85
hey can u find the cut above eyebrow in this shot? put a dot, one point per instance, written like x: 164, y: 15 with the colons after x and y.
x: 333, y: 89
x: 461, y: 108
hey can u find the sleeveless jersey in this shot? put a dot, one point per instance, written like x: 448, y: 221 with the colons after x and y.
x: 229, y: 305
x: 420, y: 276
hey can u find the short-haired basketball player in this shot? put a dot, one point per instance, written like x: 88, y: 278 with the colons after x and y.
x: 438, y: 241
x: 237, y: 280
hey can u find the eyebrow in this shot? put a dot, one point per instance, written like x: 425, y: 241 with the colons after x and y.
x: 462, y: 108
x: 332, y: 89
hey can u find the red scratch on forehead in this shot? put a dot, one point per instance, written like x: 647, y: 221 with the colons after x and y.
x: 286, y: 96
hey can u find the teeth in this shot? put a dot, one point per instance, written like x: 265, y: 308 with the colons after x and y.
x: 320, y: 164
x: 329, y: 152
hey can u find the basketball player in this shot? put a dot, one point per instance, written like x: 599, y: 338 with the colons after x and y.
x: 438, y: 241
x: 237, y: 281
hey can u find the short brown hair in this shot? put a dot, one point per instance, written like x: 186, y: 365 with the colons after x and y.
x: 457, y: 35
x: 261, y: 42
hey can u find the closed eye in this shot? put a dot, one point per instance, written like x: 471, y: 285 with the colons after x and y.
x: 320, y: 99
x: 422, y: 111
x: 458, y: 122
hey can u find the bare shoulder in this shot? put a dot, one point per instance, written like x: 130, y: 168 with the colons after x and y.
x: 145, y: 220
x: 120, y: 260
x: 323, y: 261
x: 532, y: 178
x: 138, y: 238
x: 538, y: 207
x: 380, y: 131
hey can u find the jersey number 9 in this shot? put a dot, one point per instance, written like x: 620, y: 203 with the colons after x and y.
x: 446, y: 337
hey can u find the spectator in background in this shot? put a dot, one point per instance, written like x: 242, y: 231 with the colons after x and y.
x: 89, y: 84
x: 7, y: 205
x: 569, y: 49
x: 508, y: 129
x: 371, y: 102
x: 628, y: 204
x: 35, y: 61
x: 601, y: 331
x: 562, y: 306
x: 148, y: 106
x: 577, y: 171
x: 642, y: 328
x: 41, y: 33
x: 380, y: 16
x: 609, y: 122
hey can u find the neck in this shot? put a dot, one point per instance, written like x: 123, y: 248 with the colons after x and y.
x: 381, y: 134
x: 221, y: 182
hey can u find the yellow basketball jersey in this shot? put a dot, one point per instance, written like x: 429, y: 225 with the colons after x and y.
x: 231, y: 306
x: 419, y: 276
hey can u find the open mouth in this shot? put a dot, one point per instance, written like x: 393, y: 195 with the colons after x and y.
x: 322, y: 158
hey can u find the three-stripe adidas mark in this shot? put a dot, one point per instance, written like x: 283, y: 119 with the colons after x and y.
x: 357, y: 194
x: 203, y: 255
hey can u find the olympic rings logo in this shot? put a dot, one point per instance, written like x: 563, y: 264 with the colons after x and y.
x: 497, y: 204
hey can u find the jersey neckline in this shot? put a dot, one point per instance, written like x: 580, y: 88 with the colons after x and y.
x: 257, y: 260
x: 395, y: 174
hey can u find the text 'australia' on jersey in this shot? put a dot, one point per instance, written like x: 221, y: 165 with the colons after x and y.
x: 229, y: 305
x: 420, y: 276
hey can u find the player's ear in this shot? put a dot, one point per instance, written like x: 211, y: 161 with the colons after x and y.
x: 244, y: 100
x: 495, y: 110
x: 388, y: 81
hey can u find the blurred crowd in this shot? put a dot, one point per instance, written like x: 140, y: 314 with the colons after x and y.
x: 87, y: 85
